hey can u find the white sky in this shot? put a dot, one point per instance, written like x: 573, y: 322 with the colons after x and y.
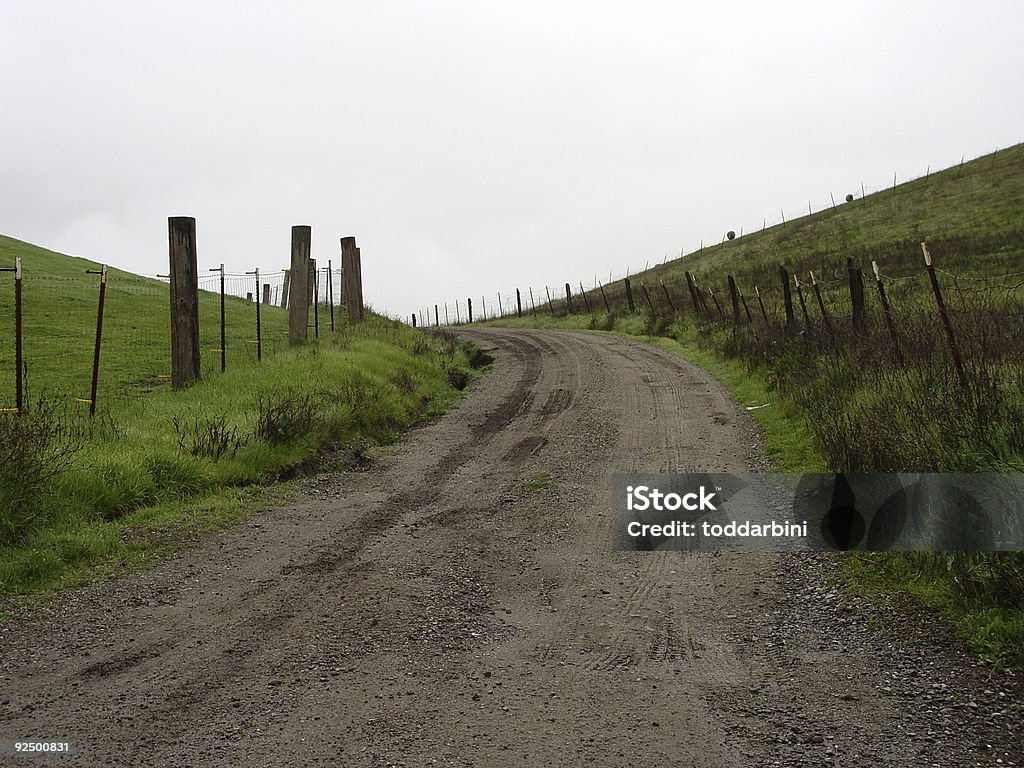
x: 473, y: 147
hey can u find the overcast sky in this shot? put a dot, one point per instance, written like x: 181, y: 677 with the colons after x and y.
x: 478, y: 146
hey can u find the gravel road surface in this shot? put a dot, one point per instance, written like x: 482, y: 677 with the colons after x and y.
x: 456, y: 603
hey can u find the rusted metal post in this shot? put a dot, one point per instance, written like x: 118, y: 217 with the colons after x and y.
x: 330, y: 290
x: 259, y: 326
x: 586, y: 301
x: 954, y: 350
x: 803, y: 305
x: 648, y: 297
x: 99, y: 337
x: 887, y: 312
x: 668, y: 296
x: 821, y: 306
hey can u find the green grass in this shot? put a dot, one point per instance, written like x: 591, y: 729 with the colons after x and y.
x: 538, y: 482
x: 60, y: 303
x: 156, y: 464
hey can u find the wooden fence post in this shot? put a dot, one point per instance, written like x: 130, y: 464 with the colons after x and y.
x: 693, y: 292
x: 568, y: 299
x: 469, y: 303
x: 604, y: 298
x: 954, y: 351
x: 629, y: 295
x: 350, y: 277
x: 856, y: 293
x: 787, y: 298
x: 357, y: 261
x: 184, y: 276
x: 533, y: 305
x: 887, y: 313
x: 550, y: 305
x: 437, y: 317
x: 266, y: 293
x: 519, y: 304
x: 286, y: 288
x: 298, y: 296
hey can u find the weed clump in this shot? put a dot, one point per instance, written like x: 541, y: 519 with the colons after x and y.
x: 35, y: 446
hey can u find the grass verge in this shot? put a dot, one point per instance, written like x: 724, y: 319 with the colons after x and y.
x: 168, y: 464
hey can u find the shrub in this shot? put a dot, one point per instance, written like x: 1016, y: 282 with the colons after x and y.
x: 35, y: 446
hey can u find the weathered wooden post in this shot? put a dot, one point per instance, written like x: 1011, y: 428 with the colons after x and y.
x: 286, y: 289
x: 604, y: 298
x: 184, y: 277
x: 469, y: 304
x: 437, y: 317
x: 533, y: 304
x: 887, y: 312
x: 350, y: 278
x: 519, y: 304
x: 629, y: 295
x: 856, y: 293
x: 413, y: 319
x: 266, y: 293
x: 568, y: 299
x: 954, y: 351
x: 787, y: 297
x: 358, y: 296
x: 693, y: 292
x: 298, y: 295
x: 551, y: 306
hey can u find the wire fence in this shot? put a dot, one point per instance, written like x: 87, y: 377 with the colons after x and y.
x: 59, y: 314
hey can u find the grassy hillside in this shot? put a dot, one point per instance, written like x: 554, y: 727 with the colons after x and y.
x: 60, y: 302
x: 79, y: 493
x: 845, y: 394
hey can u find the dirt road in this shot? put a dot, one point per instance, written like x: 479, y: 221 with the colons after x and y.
x: 456, y: 603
